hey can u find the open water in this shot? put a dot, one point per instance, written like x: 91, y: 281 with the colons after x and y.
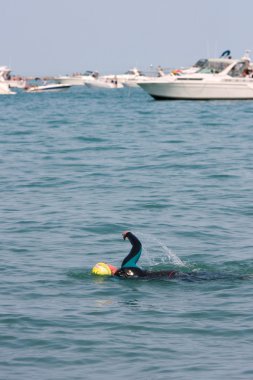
x: 78, y: 168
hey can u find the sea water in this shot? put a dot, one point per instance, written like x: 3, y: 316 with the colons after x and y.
x: 80, y: 167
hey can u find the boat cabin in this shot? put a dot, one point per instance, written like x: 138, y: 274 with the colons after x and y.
x: 231, y: 67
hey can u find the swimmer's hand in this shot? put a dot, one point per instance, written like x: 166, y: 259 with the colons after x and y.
x: 124, y: 233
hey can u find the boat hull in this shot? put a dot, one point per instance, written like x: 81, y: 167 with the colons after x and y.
x: 48, y: 88
x: 200, y: 90
x: 104, y: 85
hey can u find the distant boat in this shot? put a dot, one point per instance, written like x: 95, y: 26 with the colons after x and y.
x: 12, y: 81
x: 117, y: 80
x: 77, y: 79
x: 137, y: 76
x: 51, y: 87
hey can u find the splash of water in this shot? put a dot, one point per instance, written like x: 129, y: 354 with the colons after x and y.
x: 164, y: 255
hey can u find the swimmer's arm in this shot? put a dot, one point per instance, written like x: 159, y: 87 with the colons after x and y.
x: 135, y: 252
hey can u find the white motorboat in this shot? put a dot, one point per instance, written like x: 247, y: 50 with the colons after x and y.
x: 219, y: 78
x: 50, y: 87
x: 5, y: 89
x: 11, y: 81
x: 137, y: 76
x: 130, y: 77
x: 106, y: 83
x: 77, y: 79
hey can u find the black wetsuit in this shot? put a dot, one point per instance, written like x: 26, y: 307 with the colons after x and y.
x: 129, y: 266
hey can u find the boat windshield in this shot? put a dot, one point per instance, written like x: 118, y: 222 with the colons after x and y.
x: 214, y: 67
x: 90, y: 73
x: 239, y: 69
x: 200, y: 63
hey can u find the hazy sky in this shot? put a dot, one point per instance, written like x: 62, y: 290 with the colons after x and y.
x: 42, y: 37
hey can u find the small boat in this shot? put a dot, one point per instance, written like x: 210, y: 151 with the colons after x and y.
x: 11, y: 80
x: 138, y: 77
x: 128, y: 79
x: 77, y: 79
x: 117, y: 80
x: 218, y: 78
x: 51, y: 87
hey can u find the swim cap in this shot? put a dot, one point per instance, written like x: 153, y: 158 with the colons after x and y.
x: 101, y: 269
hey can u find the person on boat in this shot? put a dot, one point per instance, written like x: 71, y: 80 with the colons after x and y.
x: 114, y: 81
x: 129, y: 268
x: 247, y: 71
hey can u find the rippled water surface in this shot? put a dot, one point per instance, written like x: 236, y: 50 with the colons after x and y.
x: 78, y: 168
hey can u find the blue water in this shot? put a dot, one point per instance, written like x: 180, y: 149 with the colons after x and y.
x: 78, y: 168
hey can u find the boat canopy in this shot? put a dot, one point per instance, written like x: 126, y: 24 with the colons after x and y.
x: 214, y: 66
x: 200, y: 63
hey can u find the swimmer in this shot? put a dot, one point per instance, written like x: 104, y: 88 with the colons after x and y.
x: 129, y: 268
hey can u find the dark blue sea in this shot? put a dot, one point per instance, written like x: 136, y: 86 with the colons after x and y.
x: 77, y: 169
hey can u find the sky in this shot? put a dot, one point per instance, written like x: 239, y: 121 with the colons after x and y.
x: 57, y: 37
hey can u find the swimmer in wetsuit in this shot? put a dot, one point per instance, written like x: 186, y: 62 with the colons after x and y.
x: 129, y: 268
